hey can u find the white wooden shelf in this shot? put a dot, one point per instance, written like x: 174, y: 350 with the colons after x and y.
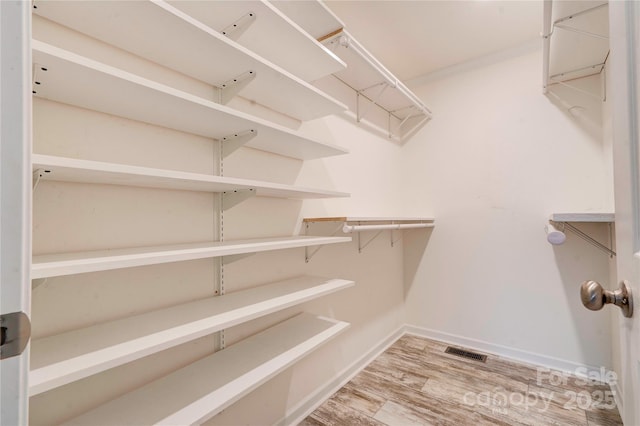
x: 312, y: 16
x: 103, y: 88
x: 51, y: 265
x: 199, y: 391
x: 64, y: 358
x: 583, y: 217
x: 269, y: 33
x: 157, y: 31
x: 367, y: 81
x: 74, y: 170
x: 576, y: 40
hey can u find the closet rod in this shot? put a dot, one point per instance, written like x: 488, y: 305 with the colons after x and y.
x: 357, y: 228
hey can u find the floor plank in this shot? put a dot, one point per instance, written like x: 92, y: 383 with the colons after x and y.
x: 414, y: 382
x: 333, y: 413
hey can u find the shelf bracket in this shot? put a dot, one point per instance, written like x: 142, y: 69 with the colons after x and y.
x: 235, y: 257
x: 360, y: 93
x: 582, y: 32
x: 236, y: 29
x: 392, y: 240
x: 37, y: 175
x: 232, y: 142
x: 233, y: 198
x: 362, y: 246
x: 230, y: 88
x: 587, y: 238
x: 414, y: 114
x: 308, y: 252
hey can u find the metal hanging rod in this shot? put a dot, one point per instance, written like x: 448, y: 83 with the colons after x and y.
x: 347, y: 229
x: 359, y: 228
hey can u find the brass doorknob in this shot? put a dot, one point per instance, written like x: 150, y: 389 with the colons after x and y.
x: 594, y: 297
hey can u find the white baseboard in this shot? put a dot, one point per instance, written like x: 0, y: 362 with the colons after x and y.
x: 309, y: 404
x: 537, y: 360
x: 617, y: 394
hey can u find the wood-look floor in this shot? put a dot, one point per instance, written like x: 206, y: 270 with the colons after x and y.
x: 415, y: 382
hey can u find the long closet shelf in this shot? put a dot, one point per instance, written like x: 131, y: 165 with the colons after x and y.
x: 576, y: 40
x: 597, y: 217
x: 106, y: 89
x: 157, y: 31
x: 52, y: 265
x: 199, y: 391
x: 74, y: 170
x: 64, y: 358
x: 265, y: 30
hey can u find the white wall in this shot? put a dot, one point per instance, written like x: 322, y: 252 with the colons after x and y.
x: 495, y: 161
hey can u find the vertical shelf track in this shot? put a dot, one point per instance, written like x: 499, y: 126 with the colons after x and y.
x: 218, y: 229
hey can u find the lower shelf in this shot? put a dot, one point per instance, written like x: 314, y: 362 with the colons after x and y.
x: 199, y: 391
x: 67, y: 357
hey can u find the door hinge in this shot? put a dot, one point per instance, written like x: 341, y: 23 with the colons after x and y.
x: 16, y: 331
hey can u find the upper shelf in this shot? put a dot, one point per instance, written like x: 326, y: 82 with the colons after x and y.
x: 265, y: 30
x: 85, y: 171
x: 583, y: 217
x: 403, y: 113
x: 576, y: 36
x: 197, y: 392
x: 52, y: 265
x: 103, y: 88
x: 71, y: 356
x: 157, y: 31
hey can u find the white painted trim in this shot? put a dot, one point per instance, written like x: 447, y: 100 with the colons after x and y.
x: 492, y: 58
x: 313, y: 401
x: 507, y: 352
x: 617, y: 395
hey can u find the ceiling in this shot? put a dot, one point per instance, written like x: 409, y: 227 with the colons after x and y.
x: 414, y: 38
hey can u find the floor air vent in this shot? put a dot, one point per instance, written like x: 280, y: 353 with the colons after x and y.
x: 465, y: 354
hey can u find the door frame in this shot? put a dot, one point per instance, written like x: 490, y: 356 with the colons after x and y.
x: 15, y: 203
x: 624, y: 43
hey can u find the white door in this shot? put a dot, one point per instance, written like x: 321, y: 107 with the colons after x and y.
x: 624, y: 24
x: 15, y: 208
